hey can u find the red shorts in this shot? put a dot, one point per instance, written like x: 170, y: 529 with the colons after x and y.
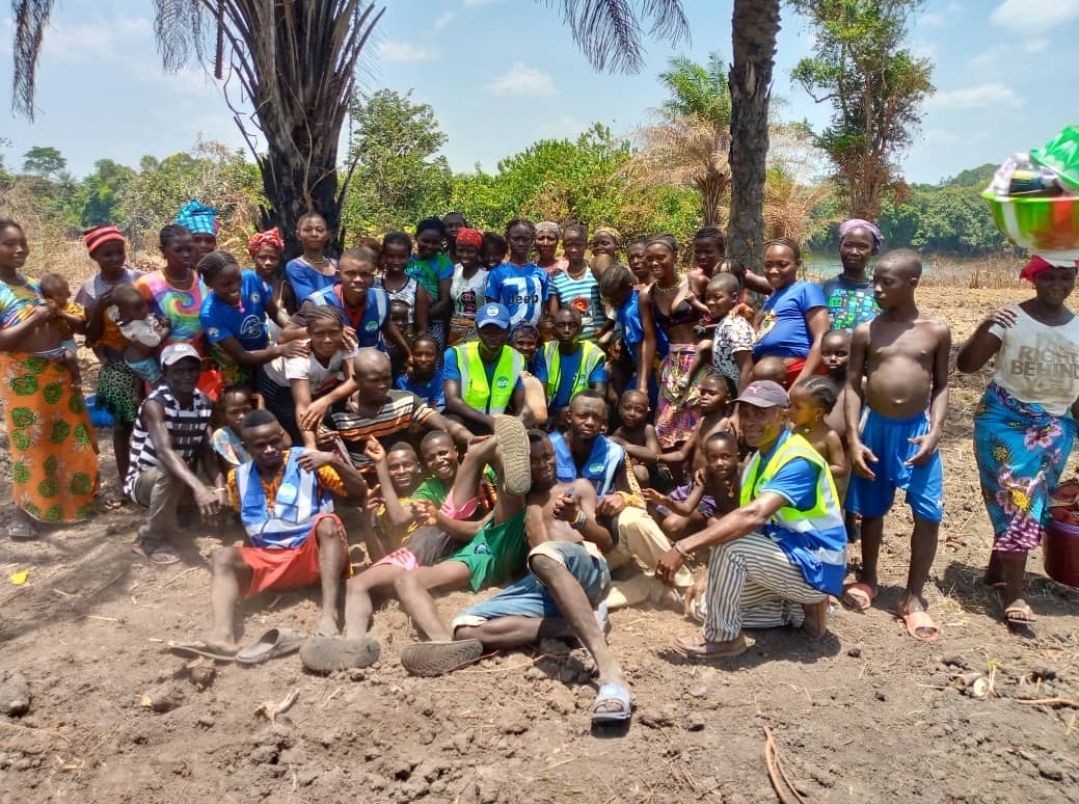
x: 795, y: 368
x: 281, y: 569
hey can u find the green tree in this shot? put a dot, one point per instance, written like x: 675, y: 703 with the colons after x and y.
x: 399, y: 177
x: 691, y: 143
x: 874, y: 85
x: 44, y: 161
x: 101, y: 193
x: 295, y: 63
x: 754, y: 28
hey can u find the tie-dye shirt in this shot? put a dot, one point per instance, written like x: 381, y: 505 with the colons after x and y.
x: 17, y: 302
x: 180, y: 307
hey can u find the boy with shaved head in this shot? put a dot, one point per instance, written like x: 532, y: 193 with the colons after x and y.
x: 903, y: 358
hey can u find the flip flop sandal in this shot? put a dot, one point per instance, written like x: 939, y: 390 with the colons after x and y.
x: 155, y: 552
x: 916, y: 621
x: 20, y: 530
x: 1019, y: 615
x: 699, y: 650
x: 199, y: 648
x: 516, y: 454
x: 322, y: 654
x: 858, y: 596
x: 611, y: 693
x: 275, y: 642
x: 437, y: 658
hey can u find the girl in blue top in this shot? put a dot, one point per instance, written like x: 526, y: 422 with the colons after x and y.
x: 314, y: 270
x: 433, y: 270
x: 519, y: 284
x: 794, y: 318
x: 233, y: 316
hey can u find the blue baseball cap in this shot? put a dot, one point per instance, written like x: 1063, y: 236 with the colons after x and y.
x: 496, y: 314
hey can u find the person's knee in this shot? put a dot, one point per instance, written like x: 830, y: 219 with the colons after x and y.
x: 643, y: 476
x: 406, y: 586
x: 545, y: 568
x: 468, y: 632
x: 225, y: 559
x: 327, y: 530
x: 674, y: 525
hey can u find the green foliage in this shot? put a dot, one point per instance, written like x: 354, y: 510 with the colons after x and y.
x: 875, y: 88
x: 44, y: 161
x: 700, y: 90
x: 978, y: 177
x: 399, y: 178
x: 566, y: 181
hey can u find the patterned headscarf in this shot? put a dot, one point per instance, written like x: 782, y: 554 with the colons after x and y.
x: 470, y: 237
x: 198, y: 218
x: 261, y: 239
x: 609, y: 232
x: 99, y: 236
x: 848, y: 226
x: 549, y: 226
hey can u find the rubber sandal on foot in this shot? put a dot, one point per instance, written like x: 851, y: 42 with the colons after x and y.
x: 516, y: 454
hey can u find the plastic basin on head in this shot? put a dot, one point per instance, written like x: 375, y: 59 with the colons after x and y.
x: 1039, y: 224
x: 1061, y: 552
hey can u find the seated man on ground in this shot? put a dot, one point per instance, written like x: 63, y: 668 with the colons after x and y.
x: 435, y: 527
x: 377, y: 410
x: 284, y: 497
x: 484, y: 378
x: 776, y: 559
x: 584, y: 452
x: 170, y: 440
x: 567, y: 580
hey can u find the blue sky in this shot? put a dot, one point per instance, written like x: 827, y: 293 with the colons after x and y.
x: 503, y: 73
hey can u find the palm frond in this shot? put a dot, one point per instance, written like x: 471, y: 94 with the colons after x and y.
x: 609, y: 31
x: 178, y: 28
x: 30, y: 18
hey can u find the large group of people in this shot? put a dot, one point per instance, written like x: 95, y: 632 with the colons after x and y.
x: 565, y: 417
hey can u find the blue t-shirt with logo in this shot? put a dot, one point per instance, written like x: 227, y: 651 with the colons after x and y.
x: 628, y: 317
x: 567, y: 368
x: 451, y: 369
x: 523, y: 289
x: 783, y: 331
x: 246, y: 323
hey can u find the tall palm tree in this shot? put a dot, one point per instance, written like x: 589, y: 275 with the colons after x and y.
x: 755, y: 27
x: 691, y: 143
x: 295, y: 61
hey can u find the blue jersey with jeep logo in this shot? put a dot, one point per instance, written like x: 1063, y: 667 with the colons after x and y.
x: 523, y: 289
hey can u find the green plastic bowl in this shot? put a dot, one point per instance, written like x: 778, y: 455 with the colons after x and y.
x: 1049, y: 224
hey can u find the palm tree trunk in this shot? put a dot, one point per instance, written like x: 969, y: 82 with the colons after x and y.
x: 755, y: 27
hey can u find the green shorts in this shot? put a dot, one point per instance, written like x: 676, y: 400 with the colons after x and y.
x: 496, y: 553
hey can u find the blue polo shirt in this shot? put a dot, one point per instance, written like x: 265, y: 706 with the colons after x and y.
x: 247, y: 322
x: 369, y: 325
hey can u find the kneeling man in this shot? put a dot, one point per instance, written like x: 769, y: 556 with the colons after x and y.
x: 776, y: 559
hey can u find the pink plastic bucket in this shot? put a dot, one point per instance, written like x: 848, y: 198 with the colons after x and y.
x: 1061, y: 552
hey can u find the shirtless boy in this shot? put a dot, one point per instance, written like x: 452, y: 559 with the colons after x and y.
x: 635, y: 435
x: 714, y: 403
x: 904, y: 360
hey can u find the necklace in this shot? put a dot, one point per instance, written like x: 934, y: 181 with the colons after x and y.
x: 667, y: 291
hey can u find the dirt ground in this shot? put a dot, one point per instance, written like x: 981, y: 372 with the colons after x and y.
x: 867, y: 715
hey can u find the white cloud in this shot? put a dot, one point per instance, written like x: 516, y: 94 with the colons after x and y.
x: 94, y: 41
x: 930, y: 20
x: 924, y: 50
x: 993, y: 93
x: 1034, y: 17
x: 443, y: 19
x: 523, y: 80
x: 404, y: 52
x: 1039, y: 45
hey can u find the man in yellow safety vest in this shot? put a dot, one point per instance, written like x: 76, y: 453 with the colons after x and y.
x: 572, y: 365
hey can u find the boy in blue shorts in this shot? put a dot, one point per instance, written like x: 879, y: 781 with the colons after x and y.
x: 568, y: 577
x: 893, y: 444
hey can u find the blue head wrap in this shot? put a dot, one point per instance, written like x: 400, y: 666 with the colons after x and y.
x: 198, y: 218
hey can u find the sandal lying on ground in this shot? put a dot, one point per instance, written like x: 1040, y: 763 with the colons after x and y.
x: 436, y: 658
x: 201, y: 647
x: 275, y: 642
x: 326, y: 654
x: 612, y: 695
x: 21, y: 529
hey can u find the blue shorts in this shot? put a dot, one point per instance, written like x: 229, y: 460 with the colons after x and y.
x: 889, y: 439
x: 528, y: 597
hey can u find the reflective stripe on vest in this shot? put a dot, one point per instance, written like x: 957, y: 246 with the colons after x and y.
x: 825, y: 514
x: 297, y: 503
x: 475, y: 391
x: 591, y: 356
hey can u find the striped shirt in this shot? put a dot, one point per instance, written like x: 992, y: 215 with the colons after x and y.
x: 390, y: 423
x: 188, y: 430
x: 582, y: 295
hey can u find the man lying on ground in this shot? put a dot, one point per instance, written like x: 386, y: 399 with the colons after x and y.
x: 567, y: 580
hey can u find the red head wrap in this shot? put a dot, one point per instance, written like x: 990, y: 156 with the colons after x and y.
x: 470, y: 237
x: 1038, y: 264
x: 99, y: 236
x: 270, y: 238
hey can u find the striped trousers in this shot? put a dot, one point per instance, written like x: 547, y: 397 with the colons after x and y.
x: 752, y: 584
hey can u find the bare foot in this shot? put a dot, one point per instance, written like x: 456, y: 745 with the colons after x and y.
x: 327, y: 625
x: 816, y: 621
x: 221, y: 642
